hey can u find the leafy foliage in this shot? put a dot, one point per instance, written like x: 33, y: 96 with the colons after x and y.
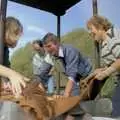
x: 22, y: 60
x: 80, y: 39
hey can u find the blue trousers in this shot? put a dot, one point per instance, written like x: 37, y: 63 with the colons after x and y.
x: 51, y: 84
x: 116, y: 102
x: 76, y: 90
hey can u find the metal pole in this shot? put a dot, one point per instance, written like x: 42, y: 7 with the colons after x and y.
x: 58, y: 27
x: 95, y: 9
x: 3, y: 7
x: 97, y: 50
x: 58, y: 74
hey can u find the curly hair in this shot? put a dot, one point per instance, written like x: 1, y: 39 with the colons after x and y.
x: 99, y: 22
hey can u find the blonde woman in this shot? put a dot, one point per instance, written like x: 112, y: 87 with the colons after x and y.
x: 108, y: 36
x: 13, y: 31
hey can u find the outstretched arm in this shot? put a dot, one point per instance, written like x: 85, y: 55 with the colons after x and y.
x: 100, y: 75
x: 17, y: 80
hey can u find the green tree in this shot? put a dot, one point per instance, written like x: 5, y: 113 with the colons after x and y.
x: 21, y: 60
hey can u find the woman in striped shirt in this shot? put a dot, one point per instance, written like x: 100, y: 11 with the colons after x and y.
x: 108, y: 37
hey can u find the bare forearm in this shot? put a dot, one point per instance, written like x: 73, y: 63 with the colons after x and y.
x: 101, y: 75
x: 5, y: 72
x: 116, y: 64
x: 69, y: 87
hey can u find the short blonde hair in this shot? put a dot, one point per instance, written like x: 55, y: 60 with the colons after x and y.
x: 13, y: 28
x: 99, y: 22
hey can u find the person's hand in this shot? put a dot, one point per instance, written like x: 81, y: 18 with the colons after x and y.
x: 7, y: 86
x: 101, y: 75
x: 66, y: 94
x: 58, y: 97
x: 17, y: 82
x: 55, y: 97
x: 99, y: 70
x: 41, y: 87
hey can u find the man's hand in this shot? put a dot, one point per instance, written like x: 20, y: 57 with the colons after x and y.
x: 66, y: 94
x: 68, y: 88
x: 41, y: 87
x: 103, y: 73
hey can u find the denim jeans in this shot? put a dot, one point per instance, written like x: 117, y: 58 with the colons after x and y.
x: 116, y: 101
x: 76, y: 90
x: 48, y: 82
x: 51, y: 84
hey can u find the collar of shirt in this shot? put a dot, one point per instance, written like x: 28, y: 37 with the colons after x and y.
x: 104, y: 43
x: 60, y: 54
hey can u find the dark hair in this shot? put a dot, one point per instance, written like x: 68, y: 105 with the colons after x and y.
x: 39, y: 42
x: 50, y: 37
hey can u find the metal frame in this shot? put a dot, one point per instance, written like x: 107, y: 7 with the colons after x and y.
x: 3, y: 7
x: 58, y: 34
x: 97, y: 46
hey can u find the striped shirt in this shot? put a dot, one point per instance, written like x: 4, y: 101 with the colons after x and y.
x: 110, y: 48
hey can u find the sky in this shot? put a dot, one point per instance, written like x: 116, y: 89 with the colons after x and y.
x: 37, y: 23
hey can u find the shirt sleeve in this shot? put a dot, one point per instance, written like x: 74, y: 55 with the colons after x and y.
x: 114, y: 46
x: 72, y: 64
x: 70, y: 78
x: 114, y: 43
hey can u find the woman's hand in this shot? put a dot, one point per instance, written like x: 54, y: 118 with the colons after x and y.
x: 104, y: 73
x: 6, y: 86
x: 17, y: 83
x: 99, y: 70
